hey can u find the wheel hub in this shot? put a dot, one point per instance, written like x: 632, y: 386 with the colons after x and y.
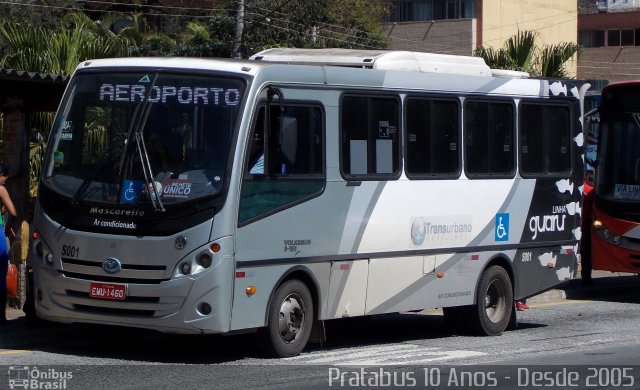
x: 291, y: 318
x: 495, y: 302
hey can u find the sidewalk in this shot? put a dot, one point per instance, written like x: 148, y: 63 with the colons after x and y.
x: 605, y: 283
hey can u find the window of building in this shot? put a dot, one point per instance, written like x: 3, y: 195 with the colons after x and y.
x: 489, y: 137
x: 627, y: 37
x: 432, y: 137
x: 591, y: 38
x: 370, y: 141
x: 598, y: 38
x: 284, y: 162
x: 613, y: 38
x: 420, y: 10
x: 545, y: 137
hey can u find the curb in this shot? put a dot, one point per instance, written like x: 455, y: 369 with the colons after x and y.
x: 548, y: 296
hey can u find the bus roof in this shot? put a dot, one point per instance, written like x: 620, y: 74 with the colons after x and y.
x: 338, y: 67
x: 379, y: 59
x: 221, y: 64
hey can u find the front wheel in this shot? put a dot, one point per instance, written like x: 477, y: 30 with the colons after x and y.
x: 494, y: 302
x: 289, y: 320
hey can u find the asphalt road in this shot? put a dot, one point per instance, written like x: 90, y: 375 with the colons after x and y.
x: 576, y: 327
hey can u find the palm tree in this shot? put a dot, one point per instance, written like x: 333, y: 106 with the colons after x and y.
x: 552, y: 59
x: 34, y: 49
x: 521, y: 48
x: 520, y: 52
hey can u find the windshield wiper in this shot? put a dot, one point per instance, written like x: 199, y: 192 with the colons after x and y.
x: 152, y: 190
x: 79, y: 194
x: 136, y: 128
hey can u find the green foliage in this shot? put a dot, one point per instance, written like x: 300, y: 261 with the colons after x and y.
x: 44, y: 13
x: 35, y: 49
x: 521, y: 53
x: 521, y: 49
x: 497, y: 59
x: 314, y: 24
x: 552, y: 59
x: 156, y: 45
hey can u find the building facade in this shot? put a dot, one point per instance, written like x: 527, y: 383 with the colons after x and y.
x: 461, y: 26
x: 610, y: 41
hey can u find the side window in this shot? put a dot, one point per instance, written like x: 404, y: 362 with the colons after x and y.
x: 545, y: 139
x: 432, y: 137
x: 489, y: 138
x: 284, y: 164
x: 370, y: 141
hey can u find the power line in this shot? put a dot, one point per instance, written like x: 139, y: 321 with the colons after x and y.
x: 72, y: 9
x: 197, y: 9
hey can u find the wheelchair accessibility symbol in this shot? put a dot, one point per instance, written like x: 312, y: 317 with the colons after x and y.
x: 502, y: 227
x: 130, y: 192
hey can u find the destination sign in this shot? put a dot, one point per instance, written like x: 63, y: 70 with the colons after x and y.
x: 170, y: 93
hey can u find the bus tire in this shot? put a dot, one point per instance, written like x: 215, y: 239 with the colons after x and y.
x: 494, y: 302
x: 289, y: 320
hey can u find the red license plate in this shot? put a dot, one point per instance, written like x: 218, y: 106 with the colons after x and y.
x: 116, y: 292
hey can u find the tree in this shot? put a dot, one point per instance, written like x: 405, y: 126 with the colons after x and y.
x: 300, y: 23
x: 587, y: 6
x: 521, y: 53
x: 44, y: 13
x: 314, y: 24
x: 59, y: 51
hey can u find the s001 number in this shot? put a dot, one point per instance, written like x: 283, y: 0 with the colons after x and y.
x: 70, y: 251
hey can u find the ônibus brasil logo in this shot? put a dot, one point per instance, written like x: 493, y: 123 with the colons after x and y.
x: 24, y: 377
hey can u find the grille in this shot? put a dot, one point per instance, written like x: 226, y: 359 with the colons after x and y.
x: 130, y: 273
x: 112, y: 279
x: 113, y: 311
x: 97, y: 264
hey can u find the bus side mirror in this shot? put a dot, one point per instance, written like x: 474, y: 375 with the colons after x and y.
x: 289, y: 138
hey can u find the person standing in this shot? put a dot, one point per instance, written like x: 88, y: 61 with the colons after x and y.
x: 7, y: 204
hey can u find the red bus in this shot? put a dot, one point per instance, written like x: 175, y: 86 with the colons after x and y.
x: 613, y: 206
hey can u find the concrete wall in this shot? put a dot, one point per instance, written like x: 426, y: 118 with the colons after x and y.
x: 610, y: 63
x: 437, y: 36
x: 554, y: 20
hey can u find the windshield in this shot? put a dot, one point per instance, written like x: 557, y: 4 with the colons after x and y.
x: 127, y: 138
x: 618, y: 173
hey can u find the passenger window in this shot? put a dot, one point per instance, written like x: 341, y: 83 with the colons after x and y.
x: 284, y: 164
x: 545, y: 136
x: 432, y: 137
x: 489, y: 139
x: 369, y: 131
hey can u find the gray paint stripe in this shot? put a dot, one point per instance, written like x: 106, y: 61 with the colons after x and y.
x: 365, y: 218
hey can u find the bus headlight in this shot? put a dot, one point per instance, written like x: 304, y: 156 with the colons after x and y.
x: 44, y: 253
x: 199, y: 262
x: 607, y: 234
x: 185, y: 268
x: 204, y: 260
x: 597, y: 224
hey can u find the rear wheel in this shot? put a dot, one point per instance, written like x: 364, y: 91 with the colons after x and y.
x: 494, y: 302
x: 289, y: 320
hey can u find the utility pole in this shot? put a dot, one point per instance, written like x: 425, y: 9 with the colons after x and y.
x: 237, y: 41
